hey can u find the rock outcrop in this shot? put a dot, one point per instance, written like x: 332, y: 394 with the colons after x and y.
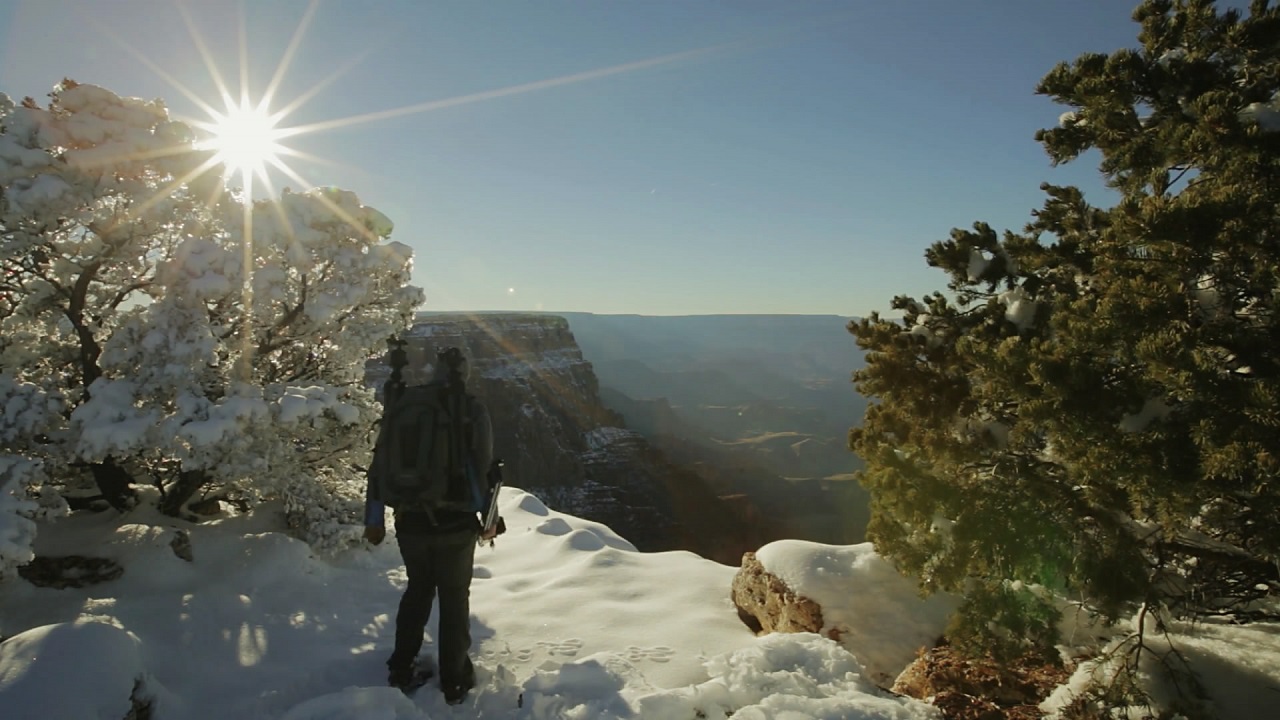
x: 766, y: 604
x: 561, y: 443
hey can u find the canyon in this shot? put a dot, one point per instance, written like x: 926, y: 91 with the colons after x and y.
x: 759, y: 405
x: 663, y: 471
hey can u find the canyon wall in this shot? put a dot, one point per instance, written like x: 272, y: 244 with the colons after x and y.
x: 561, y: 443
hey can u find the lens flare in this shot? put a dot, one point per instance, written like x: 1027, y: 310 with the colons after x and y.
x: 245, y: 139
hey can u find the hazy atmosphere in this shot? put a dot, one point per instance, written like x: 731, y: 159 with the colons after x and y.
x: 660, y: 157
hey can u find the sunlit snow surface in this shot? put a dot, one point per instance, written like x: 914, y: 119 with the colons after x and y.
x: 568, y: 621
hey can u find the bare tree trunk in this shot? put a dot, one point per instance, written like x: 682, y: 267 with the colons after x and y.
x: 189, y: 481
x: 115, y: 483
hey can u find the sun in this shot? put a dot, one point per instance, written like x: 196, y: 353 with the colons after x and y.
x: 245, y: 138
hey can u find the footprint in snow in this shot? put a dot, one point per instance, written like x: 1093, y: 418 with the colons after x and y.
x: 660, y: 653
x: 568, y: 648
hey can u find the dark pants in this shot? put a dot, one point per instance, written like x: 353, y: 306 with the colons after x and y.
x: 437, y: 565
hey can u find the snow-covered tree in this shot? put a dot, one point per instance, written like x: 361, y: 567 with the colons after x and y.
x: 1094, y: 408
x: 158, y: 329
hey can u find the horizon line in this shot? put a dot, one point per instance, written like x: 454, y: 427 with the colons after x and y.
x: 632, y: 314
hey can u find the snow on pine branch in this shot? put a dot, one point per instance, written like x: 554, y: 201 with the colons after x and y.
x: 1020, y: 308
x: 1266, y: 115
x: 17, y: 529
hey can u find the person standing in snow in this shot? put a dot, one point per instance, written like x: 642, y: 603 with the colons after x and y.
x: 437, y: 545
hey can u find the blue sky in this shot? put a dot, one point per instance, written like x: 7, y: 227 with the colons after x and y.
x: 801, y: 163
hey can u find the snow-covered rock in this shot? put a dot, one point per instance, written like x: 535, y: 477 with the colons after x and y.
x: 72, y: 670
x: 866, y: 606
x: 768, y: 605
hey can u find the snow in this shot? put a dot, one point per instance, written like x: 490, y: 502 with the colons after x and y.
x: 568, y: 621
x: 101, y: 657
x: 1208, y: 296
x: 1266, y: 115
x: 111, y: 420
x: 205, y: 269
x: 298, y: 403
x: 978, y: 264
x: 24, y: 407
x: 921, y: 329
x: 34, y: 196
x: 1020, y: 308
x: 602, y: 437
x: 1237, y: 665
x: 17, y: 530
x: 761, y: 682
x: 522, y: 367
x: 17, y: 157
x: 1153, y: 409
x: 883, y: 628
x: 1171, y: 56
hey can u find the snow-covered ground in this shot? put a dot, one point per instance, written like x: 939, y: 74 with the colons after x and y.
x: 568, y: 621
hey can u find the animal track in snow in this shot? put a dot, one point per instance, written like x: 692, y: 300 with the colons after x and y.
x: 568, y: 647
x: 521, y: 655
x: 660, y: 653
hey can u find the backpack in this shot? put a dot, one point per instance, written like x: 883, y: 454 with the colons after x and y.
x: 425, y: 451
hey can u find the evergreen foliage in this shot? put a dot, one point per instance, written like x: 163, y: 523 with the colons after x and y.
x: 1094, y: 407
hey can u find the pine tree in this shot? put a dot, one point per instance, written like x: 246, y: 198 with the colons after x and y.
x: 1093, y: 409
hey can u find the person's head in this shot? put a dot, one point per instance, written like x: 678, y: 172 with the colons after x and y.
x: 452, y: 364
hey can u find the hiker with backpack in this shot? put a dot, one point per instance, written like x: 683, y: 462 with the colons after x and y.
x: 431, y: 464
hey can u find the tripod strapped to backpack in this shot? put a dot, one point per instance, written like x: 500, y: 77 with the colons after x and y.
x: 397, y: 359
x: 491, y: 521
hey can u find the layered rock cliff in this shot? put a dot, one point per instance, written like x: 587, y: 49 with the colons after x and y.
x: 760, y: 406
x: 561, y: 443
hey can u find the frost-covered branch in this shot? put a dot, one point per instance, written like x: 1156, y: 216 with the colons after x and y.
x: 102, y: 197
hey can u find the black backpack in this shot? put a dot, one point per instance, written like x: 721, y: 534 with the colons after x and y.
x: 424, y: 450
